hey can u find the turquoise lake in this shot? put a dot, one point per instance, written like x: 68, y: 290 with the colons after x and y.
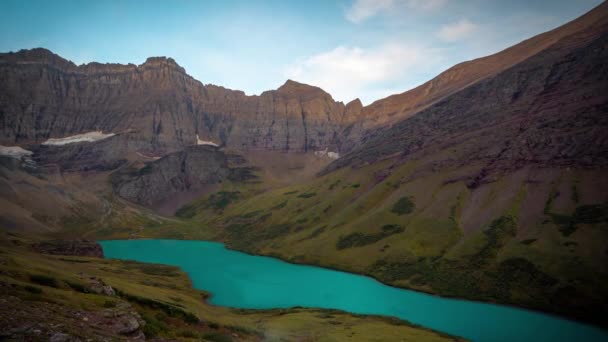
x: 244, y: 281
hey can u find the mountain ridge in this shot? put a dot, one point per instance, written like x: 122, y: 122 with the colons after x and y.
x: 167, y: 108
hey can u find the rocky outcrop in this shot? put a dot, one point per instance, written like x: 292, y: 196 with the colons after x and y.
x: 104, y: 155
x: 175, y: 173
x: 70, y: 247
x: 42, y: 321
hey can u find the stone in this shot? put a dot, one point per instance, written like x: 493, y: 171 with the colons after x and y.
x: 60, y: 337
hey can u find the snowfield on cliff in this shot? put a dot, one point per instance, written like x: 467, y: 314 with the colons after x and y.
x: 14, y: 151
x: 85, y: 137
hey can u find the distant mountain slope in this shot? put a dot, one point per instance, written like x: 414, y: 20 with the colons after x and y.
x: 400, y: 106
x: 548, y: 110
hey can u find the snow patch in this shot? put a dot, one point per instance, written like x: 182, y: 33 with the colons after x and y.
x: 204, y: 142
x: 327, y: 153
x: 16, y: 152
x: 85, y: 137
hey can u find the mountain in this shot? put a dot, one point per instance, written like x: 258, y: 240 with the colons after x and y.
x: 400, y: 106
x: 547, y: 110
x: 496, y: 192
x: 161, y: 107
x: 487, y: 182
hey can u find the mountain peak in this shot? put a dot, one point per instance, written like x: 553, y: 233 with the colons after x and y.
x: 39, y: 55
x: 291, y: 87
x: 160, y: 62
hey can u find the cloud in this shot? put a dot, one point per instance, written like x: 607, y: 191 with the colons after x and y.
x: 456, y: 31
x: 360, y: 10
x: 349, y: 72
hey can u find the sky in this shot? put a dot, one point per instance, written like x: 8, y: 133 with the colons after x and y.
x: 365, y: 49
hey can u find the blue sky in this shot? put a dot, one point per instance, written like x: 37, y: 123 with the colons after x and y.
x: 351, y: 48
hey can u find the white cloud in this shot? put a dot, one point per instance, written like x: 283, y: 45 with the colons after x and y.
x: 456, y: 31
x: 360, y: 10
x: 351, y: 72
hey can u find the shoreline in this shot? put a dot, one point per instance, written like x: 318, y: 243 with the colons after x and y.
x: 227, y: 246
x: 394, y: 320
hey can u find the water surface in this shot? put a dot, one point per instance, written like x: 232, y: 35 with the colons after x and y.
x: 244, y: 281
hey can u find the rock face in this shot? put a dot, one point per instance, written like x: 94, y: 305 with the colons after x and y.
x: 547, y: 111
x: 70, y: 247
x: 45, y: 96
x: 104, y: 155
x: 187, y: 170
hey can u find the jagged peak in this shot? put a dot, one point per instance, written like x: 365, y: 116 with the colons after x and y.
x: 293, y: 88
x: 356, y: 103
x: 38, y: 54
x: 162, y: 61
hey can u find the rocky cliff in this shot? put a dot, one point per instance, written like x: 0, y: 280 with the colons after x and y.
x: 187, y: 170
x: 164, y: 109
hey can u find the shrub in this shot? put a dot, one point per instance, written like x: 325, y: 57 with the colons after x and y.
x: 43, y: 280
x: 528, y: 241
x: 187, y: 211
x: 32, y: 289
x: 307, y: 195
x: 109, y: 304
x: 333, y: 185
x: 279, y: 206
x: 76, y: 286
x: 153, y: 327
x: 591, y: 214
x: 392, y: 229
x: 217, y: 337
x: 360, y: 239
x: 188, y: 334
x: 403, y: 206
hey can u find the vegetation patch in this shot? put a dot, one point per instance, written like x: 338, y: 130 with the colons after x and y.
x: 44, y: 280
x: 334, y: 185
x: 186, y: 212
x: 307, y: 195
x: 280, y: 205
x: 217, y: 337
x: 168, y: 309
x: 403, y: 206
x: 32, y: 289
x: 153, y: 269
x: 315, y: 233
x: 585, y: 214
x: 499, y: 232
x: 245, y: 236
x: 243, y: 174
x: 77, y: 286
x: 359, y: 239
x: 221, y: 200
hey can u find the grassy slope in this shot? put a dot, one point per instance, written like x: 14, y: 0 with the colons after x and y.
x: 533, y: 238
x: 164, y: 297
